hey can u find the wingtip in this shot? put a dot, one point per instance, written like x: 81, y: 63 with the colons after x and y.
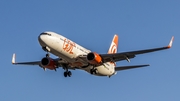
x: 171, y: 42
x: 145, y: 65
x: 13, y: 58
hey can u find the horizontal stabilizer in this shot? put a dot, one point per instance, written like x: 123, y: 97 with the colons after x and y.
x: 129, y: 67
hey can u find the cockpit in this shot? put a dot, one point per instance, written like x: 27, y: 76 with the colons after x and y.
x: 45, y: 34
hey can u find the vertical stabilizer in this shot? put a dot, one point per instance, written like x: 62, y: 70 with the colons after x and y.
x: 114, y: 45
x: 113, y: 48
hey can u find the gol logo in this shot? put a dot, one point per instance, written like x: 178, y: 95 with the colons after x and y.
x: 113, y: 48
x: 68, y: 46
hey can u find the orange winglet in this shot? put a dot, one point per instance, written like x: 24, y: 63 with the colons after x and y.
x: 171, y: 42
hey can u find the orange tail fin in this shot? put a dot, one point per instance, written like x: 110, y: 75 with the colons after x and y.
x: 114, y: 45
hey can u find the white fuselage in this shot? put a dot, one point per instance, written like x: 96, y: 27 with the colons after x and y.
x: 70, y: 51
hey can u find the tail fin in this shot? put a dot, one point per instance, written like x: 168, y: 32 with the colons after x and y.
x: 113, y: 48
x: 114, y: 45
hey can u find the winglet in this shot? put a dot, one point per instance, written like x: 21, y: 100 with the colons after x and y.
x: 171, y: 42
x: 13, y: 58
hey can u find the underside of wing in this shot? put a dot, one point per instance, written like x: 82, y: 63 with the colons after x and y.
x: 28, y: 63
x: 129, y: 67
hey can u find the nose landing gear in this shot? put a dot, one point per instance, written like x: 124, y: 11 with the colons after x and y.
x: 47, y: 49
x: 47, y: 55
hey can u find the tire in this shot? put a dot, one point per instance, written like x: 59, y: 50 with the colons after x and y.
x: 91, y: 71
x: 65, y: 74
x: 69, y: 73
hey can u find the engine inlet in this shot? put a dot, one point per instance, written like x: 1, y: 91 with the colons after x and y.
x: 45, y: 61
x: 90, y: 56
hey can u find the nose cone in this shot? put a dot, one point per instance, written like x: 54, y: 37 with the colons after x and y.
x: 41, y: 39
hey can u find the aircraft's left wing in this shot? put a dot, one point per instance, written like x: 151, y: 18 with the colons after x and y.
x: 131, y: 54
x: 129, y: 67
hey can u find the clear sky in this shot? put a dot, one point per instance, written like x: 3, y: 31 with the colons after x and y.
x: 140, y: 24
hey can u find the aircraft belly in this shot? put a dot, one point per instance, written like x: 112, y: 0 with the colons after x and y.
x: 101, y: 70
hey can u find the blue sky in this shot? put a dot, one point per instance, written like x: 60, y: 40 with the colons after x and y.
x: 140, y: 24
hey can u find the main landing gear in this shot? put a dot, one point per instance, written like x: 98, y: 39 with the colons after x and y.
x: 67, y: 73
x: 93, y: 71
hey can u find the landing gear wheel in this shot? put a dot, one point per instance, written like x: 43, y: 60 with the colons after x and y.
x: 69, y: 73
x: 65, y: 74
x: 93, y: 71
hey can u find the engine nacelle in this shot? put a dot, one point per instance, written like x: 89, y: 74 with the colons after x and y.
x: 49, y: 63
x: 94, y: 58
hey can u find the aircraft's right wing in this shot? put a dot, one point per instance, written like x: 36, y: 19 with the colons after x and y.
x: 129, y: 67
x: 131, y: 54
x: 24, y: 63
x: 58, y: 62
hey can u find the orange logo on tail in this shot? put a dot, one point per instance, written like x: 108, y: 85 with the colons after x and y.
x: 114, y: 45
x: 113, y: 49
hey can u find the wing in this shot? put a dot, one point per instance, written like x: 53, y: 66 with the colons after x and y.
x: 59, y: 62
x: 25, y: 63
x: 129, y: 67
x: 131, y: 54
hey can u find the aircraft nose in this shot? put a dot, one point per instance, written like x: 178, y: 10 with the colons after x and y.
x: 41, y: 39
x: 42, y: 36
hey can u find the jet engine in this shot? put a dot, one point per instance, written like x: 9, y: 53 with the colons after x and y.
x: 49, y: 63
x: 94, y: 58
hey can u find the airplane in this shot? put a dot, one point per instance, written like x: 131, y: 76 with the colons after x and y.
x: 72, y: 56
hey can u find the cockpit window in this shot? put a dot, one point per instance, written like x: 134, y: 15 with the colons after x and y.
x: 45, y: 34
x: 48, y: 34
